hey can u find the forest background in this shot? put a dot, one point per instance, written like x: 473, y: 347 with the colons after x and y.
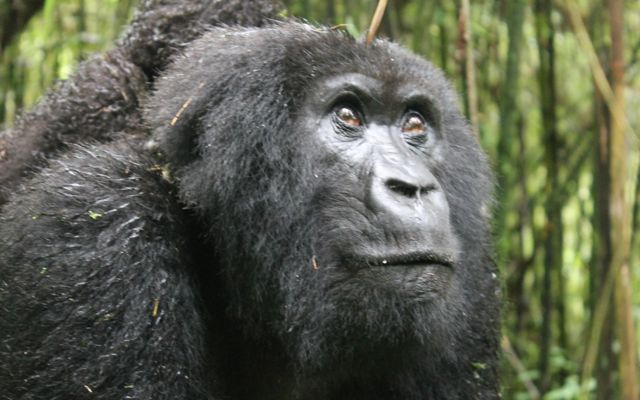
x: 552, y: 88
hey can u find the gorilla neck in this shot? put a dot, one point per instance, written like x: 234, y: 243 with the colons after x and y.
x: 267, y: 366
x: 262, y: 370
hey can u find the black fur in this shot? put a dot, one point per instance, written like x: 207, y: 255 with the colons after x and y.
x: 102, y: 97
x: 228, y: 279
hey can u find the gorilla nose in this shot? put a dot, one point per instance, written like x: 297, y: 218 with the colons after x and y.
x: 408, y: 189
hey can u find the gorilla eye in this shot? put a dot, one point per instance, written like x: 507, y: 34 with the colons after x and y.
x: 348, y: 116
x: 414, y: 124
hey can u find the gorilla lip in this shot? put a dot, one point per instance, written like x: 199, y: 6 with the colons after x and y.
x: 415, y: 273
x: 412, y: 259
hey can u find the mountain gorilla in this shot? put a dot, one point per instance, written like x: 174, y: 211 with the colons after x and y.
x: 309, y: 220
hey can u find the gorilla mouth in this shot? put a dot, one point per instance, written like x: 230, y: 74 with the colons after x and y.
x: 412, y: 259
x: 402, y: 265
x: 423, y: 274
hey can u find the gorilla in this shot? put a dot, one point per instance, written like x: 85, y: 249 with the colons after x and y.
x: 302, y: 216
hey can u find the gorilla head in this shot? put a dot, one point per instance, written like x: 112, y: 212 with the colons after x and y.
x: 343, y: 204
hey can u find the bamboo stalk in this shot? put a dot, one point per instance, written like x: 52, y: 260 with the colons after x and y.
x: 376, y: 20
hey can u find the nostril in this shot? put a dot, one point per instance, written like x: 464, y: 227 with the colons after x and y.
x: 402, y: 188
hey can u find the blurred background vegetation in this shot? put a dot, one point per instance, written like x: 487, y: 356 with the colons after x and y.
x: 552, y: 89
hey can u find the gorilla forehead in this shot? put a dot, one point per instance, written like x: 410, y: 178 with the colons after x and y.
x: 320, y: 53
x: 309, y: 54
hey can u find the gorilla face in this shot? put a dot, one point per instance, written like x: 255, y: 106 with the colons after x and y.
x: 383, y: 251
x: 395, y: 221
x: 343, y: 196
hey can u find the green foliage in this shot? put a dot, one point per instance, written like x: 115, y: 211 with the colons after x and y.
x: 55, y: 40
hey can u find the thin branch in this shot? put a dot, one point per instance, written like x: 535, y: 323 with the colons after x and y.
x: 465, y: 48
x: 515, y: 362
x: 376, y: 20
x: 572, y: 10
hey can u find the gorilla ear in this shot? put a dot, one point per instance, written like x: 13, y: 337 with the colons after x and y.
x: 229, y: 82
x: 176, y: 135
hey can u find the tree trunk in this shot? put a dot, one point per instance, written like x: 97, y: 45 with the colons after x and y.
x: 515, y: 283
x: 553, y: 206
x: 422, y: 20
x: 598, y: 355
x: 619, y: 211
x: 444, y: 37
x: 467, y: 65
x: 508, y: 112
